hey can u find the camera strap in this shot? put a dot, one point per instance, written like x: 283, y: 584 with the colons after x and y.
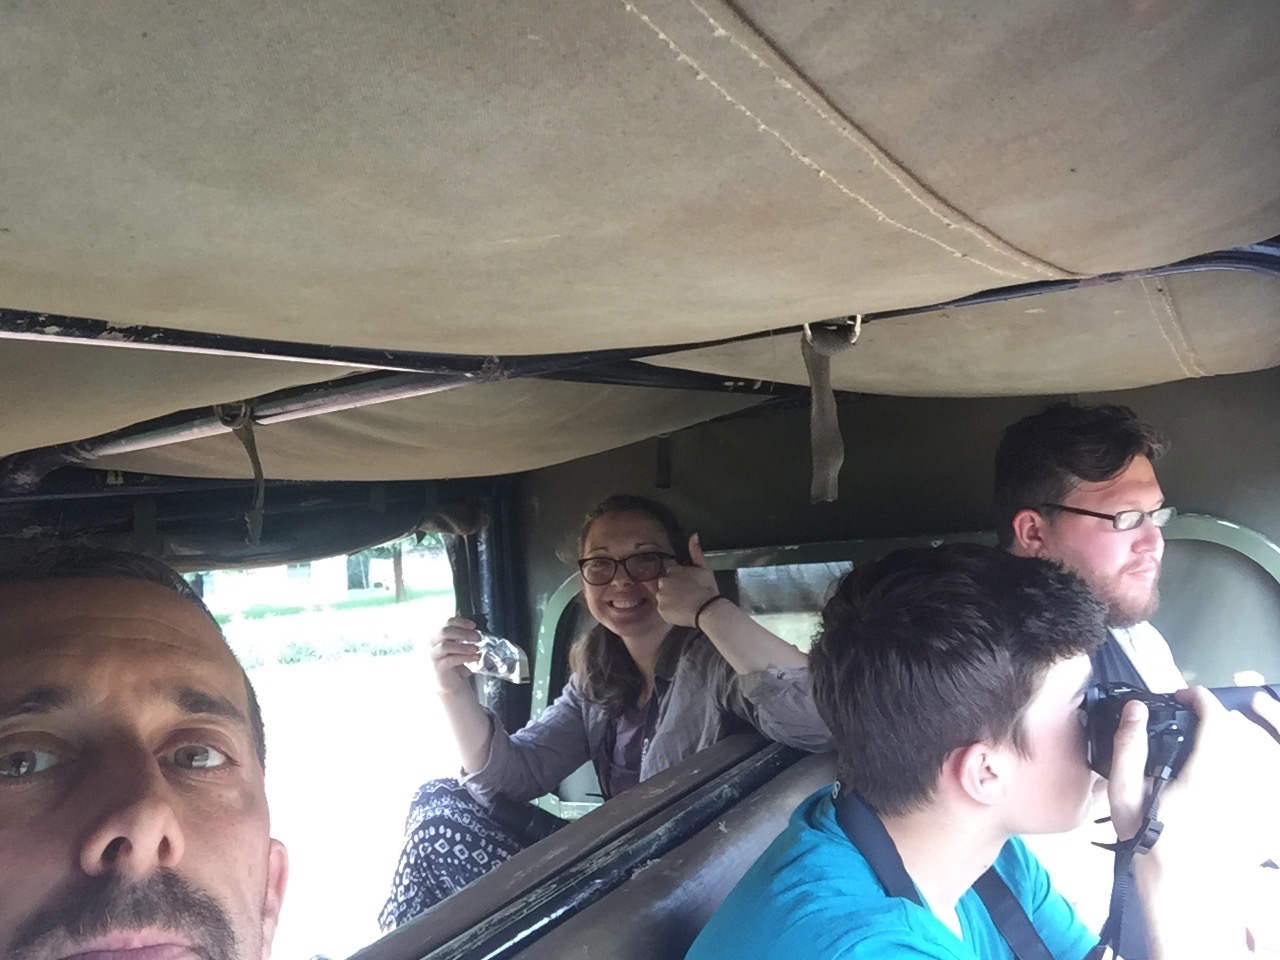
x: 1125, y: 850
x: 867, y: 833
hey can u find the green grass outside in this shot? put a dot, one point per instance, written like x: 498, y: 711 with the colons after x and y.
x: 372, y: 626
x: 362, y: 600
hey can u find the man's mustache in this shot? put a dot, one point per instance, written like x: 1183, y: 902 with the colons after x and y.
x: 94, y: 907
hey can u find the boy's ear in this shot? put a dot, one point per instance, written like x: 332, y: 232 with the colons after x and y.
x: 1030, y: 533
x: 981, y: 771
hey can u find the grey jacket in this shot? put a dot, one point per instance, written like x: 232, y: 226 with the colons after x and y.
x: 701, y: 701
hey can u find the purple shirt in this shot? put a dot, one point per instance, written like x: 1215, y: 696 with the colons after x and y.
x: 631, y: 735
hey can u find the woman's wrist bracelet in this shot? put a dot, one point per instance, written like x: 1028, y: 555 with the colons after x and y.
x: 697, y: 616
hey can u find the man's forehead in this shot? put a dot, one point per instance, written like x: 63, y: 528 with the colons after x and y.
x: 105, y: 616
x: 1138, y: 478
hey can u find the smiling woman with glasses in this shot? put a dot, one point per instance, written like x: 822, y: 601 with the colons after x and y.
x: 670, y: 668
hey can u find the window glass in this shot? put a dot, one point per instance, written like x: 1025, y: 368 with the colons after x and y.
x: 788, y: 598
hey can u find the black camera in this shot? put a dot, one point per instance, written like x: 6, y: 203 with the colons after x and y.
x: 1170, y: 726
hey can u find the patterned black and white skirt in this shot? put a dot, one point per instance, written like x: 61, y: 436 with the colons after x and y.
x: 450, y: 841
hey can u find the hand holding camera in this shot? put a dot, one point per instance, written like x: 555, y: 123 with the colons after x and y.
x: 1226, y: 769
x: 1216, y: 817
x: 1171, y: 723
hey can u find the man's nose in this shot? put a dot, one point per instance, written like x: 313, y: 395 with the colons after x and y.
x: 137, y: 831
x: 1150, y: 537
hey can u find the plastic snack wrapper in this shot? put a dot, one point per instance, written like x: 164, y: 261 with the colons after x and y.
x: 500, y: 658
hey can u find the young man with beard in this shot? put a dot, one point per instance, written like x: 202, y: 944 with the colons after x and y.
x: 133, y: 815
x: 952, y: 680
x: 1077, y: 485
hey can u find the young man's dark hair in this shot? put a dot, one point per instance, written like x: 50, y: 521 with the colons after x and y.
x: 929, y: 649
x: 29, y: 563
x: 1041, y: 458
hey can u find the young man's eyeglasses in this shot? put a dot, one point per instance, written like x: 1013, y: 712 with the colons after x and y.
x: 1125, y: 519
x: 598, y: 571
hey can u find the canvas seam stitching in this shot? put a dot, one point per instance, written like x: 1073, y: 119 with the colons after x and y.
x: 1155, y: 315
x: 841, y: 128
x: 881, y: 216
x: 1166, y: 300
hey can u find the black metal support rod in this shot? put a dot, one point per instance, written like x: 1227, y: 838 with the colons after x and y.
x: 47, y: 327
x: 175, y: 428
x: 1261, y: 258
x: 85, y: 492
x: 359, y: 390
x: 27, y: 325
x: 634, y: 373
x: 21, y: 472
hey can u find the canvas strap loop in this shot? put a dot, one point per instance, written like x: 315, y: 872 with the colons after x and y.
x: 818, y: 344
x: 239, y: 417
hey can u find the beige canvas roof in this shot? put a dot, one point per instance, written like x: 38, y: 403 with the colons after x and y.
x: 492, y: 178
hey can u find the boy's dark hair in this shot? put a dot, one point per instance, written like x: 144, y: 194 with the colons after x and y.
x: 83, y: 561
x: 930, y: 649
x: 606, y: 672
x: 1043, y: 457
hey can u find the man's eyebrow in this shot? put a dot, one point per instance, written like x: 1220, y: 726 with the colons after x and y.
x: 38, y: 700
x: 191, y: 700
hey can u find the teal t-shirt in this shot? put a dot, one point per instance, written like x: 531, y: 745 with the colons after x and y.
x: 812, y: 895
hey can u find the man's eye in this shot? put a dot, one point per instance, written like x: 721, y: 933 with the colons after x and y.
x: 25, y: 763
x: 198, y: 756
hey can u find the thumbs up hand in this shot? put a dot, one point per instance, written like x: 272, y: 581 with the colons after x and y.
x: 682, y: 590
x: 688, y: 596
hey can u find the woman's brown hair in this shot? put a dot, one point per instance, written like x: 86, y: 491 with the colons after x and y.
x: 606, y: 673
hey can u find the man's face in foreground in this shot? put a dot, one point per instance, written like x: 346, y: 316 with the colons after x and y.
x: 133, y: 816
x: 1121, y: 567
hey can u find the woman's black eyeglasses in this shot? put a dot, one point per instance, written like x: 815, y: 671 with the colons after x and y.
x: 1125, y: 519
x: 598, y: 571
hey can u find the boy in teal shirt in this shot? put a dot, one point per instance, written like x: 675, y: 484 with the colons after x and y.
x: 953, y: 681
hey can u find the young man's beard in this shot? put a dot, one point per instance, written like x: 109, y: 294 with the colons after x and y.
x: 94, y: 907
x: 1128, y: 610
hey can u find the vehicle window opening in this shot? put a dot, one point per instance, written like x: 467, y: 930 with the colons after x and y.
x: 337, y: 651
